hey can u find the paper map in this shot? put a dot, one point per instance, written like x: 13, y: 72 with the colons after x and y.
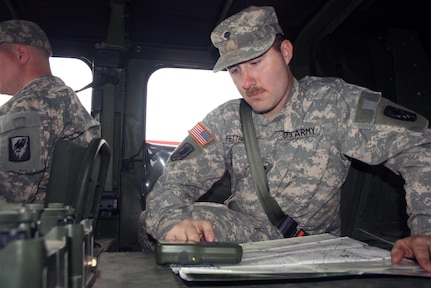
x: 304, y: 257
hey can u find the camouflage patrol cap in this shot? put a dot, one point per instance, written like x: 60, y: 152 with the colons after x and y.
x: 245, y: 35
x: 24, y: 32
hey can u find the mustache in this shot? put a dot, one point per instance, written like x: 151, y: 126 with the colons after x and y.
x: 253, y: 90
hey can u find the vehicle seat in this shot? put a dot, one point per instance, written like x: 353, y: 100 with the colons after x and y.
x: 156, y: 167
x: 78, y: 176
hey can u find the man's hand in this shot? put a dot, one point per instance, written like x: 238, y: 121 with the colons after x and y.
x: 195, y: 230
x: 414, y: 247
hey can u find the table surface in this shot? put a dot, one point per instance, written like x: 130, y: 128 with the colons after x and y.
x: 138, y: 269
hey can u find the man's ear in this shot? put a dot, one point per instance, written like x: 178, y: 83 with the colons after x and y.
x: 287, y: 50
x: 22, y: 53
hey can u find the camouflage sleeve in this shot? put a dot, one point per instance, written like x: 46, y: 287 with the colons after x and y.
x: 72, y: 121
x: 414, y: 165
x: 193, y: 167
x: 384, y: 132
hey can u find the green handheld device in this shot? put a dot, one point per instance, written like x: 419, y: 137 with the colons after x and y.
x: 189, y: 252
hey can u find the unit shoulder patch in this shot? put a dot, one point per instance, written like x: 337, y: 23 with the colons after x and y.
x: 19, y: 149
x: 186, y: 150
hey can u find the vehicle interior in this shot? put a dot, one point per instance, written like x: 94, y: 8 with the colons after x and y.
x: 382, y: 45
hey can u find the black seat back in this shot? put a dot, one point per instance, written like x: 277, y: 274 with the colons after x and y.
x: 78, y: 176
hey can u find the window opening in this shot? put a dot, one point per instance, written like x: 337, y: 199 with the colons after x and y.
x: 178, y: 98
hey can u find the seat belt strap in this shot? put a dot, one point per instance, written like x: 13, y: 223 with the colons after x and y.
x: 286, y: 225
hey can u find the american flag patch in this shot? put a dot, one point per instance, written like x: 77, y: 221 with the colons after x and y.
x: 201, y: 134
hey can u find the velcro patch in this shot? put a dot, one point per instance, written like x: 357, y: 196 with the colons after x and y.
x: 19, y: 148
x: 201, y: 134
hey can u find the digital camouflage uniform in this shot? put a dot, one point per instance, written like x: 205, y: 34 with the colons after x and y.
x: 306, y: 151
x: 41, y: 113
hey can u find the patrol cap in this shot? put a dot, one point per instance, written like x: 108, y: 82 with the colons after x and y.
x: 245, y: 35
x: 24, y: 32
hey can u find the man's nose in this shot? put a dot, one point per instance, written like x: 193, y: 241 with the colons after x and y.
x: 248, y: 79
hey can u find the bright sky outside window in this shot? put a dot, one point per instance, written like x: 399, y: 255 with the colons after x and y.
x: 177, y: 99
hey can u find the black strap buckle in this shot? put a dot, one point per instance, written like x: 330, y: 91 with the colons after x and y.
x: 289, y: 228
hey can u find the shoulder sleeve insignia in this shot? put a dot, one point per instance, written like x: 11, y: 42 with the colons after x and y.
x: 201, y: 134
x: 186, y: 150
x: 182, y: 152
x: 399, y: 114
x: 19, y: 149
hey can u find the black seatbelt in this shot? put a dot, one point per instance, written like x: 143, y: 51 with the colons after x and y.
x: 284, y: 223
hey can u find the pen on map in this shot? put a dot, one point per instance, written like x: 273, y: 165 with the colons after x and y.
x: 376, y: 237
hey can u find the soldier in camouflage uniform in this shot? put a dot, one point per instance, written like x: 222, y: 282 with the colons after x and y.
x: 42, y: 110
x: 307, y: 131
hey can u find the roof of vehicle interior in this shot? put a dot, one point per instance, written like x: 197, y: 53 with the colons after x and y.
x: 183, y: 24
x: 166, y: 22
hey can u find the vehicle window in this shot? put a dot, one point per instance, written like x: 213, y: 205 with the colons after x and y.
x: 75, y: 73
x: 179, y: 98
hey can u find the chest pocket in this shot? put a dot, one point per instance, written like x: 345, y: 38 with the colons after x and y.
x: 20, y: 142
